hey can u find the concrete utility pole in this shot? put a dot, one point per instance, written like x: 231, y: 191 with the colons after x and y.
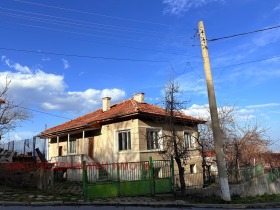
x: 218, y: 141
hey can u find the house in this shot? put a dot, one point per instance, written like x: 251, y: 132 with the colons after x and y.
x: 123, y: 132
x: 210, y: 160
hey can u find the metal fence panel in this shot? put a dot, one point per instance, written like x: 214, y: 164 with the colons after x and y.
x: 127, y: 179
x: 114, y: 172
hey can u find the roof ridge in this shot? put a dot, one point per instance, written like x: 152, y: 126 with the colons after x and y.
x: 134, y: 104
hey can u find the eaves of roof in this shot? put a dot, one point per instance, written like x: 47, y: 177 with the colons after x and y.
x: 118, y: 112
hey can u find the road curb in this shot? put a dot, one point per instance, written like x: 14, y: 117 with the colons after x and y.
x: 146, y: 204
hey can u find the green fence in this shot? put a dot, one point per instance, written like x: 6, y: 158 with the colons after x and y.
x: 273, y: 174
x: 202, y: 180
x: 128, y: 179
x: 245, y: 173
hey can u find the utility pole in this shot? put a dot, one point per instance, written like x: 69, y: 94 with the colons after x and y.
x: 218, y: 141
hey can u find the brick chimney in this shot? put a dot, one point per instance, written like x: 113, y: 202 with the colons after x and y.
x: 106, y: 104
x: 139, y: 97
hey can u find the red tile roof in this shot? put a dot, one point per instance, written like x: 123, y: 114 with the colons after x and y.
x: 126, y: 108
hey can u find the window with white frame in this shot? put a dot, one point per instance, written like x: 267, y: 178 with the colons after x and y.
x: 152, y: 136
x: 72, y: 146
x: 189, y: 140
x: 124, y: 140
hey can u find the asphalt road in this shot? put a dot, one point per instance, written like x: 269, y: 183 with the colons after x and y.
x: 109, y: 208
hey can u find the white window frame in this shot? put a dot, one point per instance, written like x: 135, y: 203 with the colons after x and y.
x: 159, y: 136
x: 128, y: 140
x: 190, y: 143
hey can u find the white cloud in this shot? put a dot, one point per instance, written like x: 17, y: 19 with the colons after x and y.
x: 16, y: 66
x: 18, y: 135
x: 190, y: 83
x: 46, y: 59
x: 202, y: 111
x: 277, y: 8
x: 198, y: 111
x: 263, y: 105
x: 66, y: 64
x: 267, y: 37
x: 48, y: 91
x: 179, y: 7
x: 243, y: 114
x: 252, y: 74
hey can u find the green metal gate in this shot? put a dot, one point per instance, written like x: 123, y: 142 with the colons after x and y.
x: 128, y: 179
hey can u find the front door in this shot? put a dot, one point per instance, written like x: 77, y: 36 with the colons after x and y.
x: 60, y: 151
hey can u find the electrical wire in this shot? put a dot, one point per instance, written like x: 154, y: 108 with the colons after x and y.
x: 242, y: 34
x: 82, y: 56
x: 91, y: 13
x: 116, y: 45
x: 254, y: 61
x: 90, y: 24
x: 71, y: 25
x: 142, y: 49
x: 33, y: 110
x: 196, y: 72
x: 79, y: 33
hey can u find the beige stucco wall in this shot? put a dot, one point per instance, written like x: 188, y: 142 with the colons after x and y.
x: 53, y: 148
x: 194, y: 155
x: 106, y: 144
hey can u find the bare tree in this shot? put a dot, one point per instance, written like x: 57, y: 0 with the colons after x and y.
x: 11, y: 114
x: 243, y: 141
x: 172, y: 140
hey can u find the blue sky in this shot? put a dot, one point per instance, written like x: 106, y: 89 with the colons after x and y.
x: 124, y: 47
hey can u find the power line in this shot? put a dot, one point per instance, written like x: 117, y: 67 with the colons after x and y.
x: 86, y: 23
x: 138, y: 48
x: 61, y: 30
x: 72, y: 32
x: 242, y: 34
x: 82, y: 56
x: 71, y: 26
x: 91, y: 13
x: 196, y: 72
x: 116, y: 45
x: 45, y: 113
x: 254, y: 61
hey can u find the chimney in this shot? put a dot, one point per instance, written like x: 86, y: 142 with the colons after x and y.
x: 106, y: 103
x: 139, y: 97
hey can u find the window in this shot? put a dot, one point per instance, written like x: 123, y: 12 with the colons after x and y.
x: 152, y: 139
x: 72, y: 146
x: 124, y: 140
x: 192, y: 168
x: 189, y: 140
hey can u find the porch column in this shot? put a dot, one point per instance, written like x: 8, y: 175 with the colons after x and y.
x: 57, y: 143
x: 68, y: 143
x: 83, y: 146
